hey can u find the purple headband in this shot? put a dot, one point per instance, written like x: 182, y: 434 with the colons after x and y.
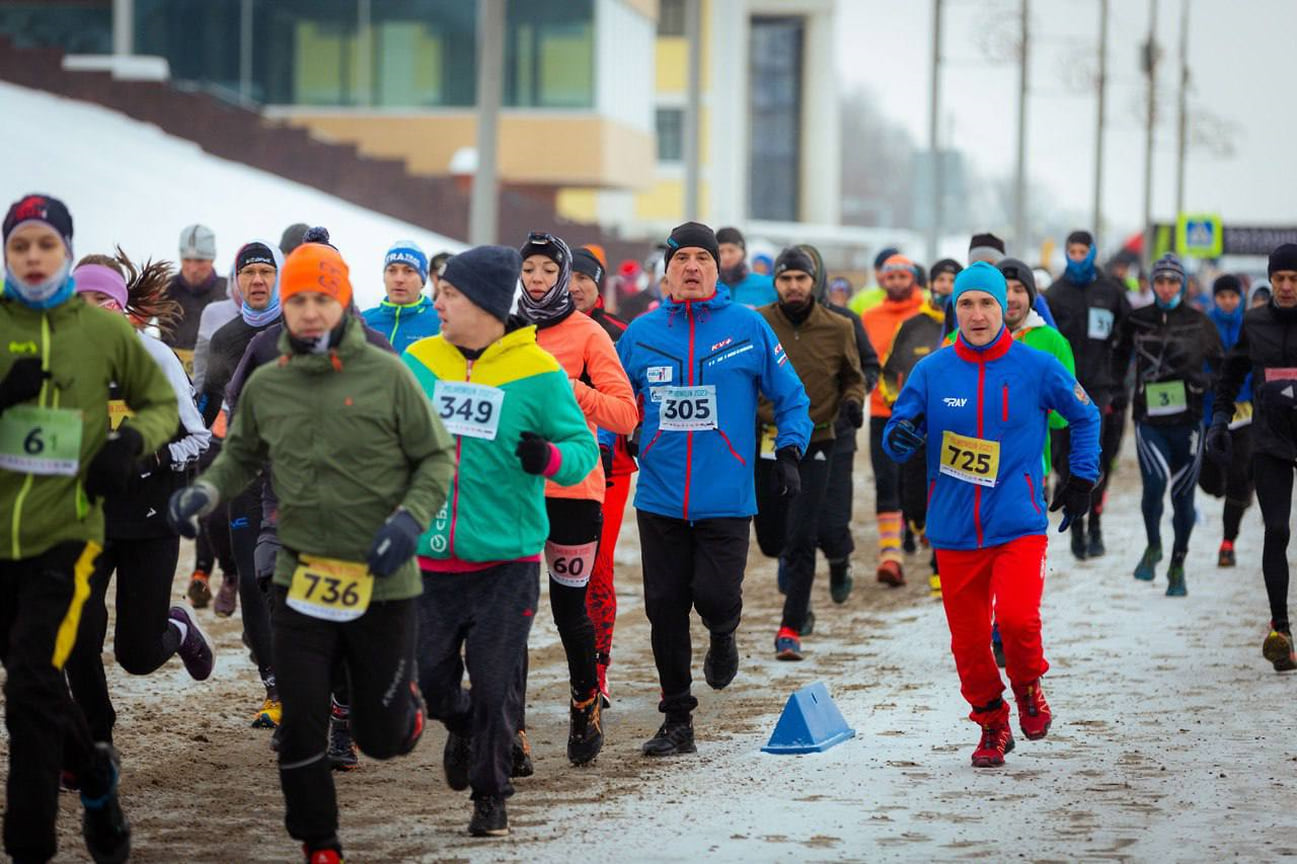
x: 105, y: 280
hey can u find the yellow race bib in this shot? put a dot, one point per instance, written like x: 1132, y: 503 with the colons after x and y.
x: 331, y: 590
x: 117, y: 412
x: 768, y: 434
x: 972, y: 460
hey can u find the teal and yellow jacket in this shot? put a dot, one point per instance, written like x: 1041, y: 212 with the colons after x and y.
x: 495, y: 510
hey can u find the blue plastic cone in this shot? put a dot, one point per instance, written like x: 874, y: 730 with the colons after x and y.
x: 811, y: 723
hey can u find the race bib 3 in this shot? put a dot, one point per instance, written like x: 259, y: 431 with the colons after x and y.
x: 468, y: 410
x: 688, y: 409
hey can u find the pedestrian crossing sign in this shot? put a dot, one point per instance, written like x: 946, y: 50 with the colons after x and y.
x: 1199, y: 235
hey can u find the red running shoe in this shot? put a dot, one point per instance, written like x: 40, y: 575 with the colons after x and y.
x: 1034, y: 715
x: 997, y: 738
x: 891, y: 573
x: 322, y: 856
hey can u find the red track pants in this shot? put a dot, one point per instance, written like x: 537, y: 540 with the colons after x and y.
x: 1008, y: 580
x: 601, y: 596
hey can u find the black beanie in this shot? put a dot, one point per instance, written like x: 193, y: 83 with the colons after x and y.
x: 1083, y: 237
x: 983, y: 243
x: 794, y: 258
x: 254, y: 253
x: 486, y: 275
x: 945, y: 265
x: 1282, y: 258
x: 1227, y: 282
x: 883, y: 254
x: 731, y: 235
x: 1012, y: 268
x: 693, y: 234
x: 584, y: 262
x: 540, y: 243
x: 40, y: 208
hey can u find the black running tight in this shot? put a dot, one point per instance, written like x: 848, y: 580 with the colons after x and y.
x: 1274, y: 483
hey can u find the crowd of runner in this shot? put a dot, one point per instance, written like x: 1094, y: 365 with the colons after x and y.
x: 380, y: 489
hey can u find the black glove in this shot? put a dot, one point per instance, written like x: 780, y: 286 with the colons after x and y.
x: 187, y: 506
x: 533, y: 452
x: 605, y: 456
x: 1073, y: 497
x: 394, y: 544
x: 905, y: 437
x: 632, y: 443
x: 110, y: 471
x: 1278, y: 395
x: 22, y: 383
x: 1220, y: 444
x: 785, y: 480
x: 853, y: 413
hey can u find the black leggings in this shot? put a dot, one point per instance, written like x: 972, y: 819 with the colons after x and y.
x: 213, y: 544
x: 143, y: 638
x: 1274, y: 482
x: 245, y: 525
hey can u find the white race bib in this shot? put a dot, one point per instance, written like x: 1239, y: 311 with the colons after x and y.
x: 687, y: 409
x: 469, y: 410
x: 570, y: 565
x: 1100, y: 324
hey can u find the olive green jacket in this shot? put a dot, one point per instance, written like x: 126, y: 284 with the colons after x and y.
x: 84, y: 349
x: 350, y: 437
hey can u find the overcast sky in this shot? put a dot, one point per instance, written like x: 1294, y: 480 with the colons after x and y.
x: 1243, y: 67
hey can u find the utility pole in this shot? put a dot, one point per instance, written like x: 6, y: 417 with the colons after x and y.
x: 245, y: 51
x: 123, y: 27
x: 1020, y: 237
x: 483, y: 221
x: 1097, y: 208
x: 364, y: 53
x: 934, y: 141
x: 693, y: 106
x: 1150, y: 69
x: 1181, y: 142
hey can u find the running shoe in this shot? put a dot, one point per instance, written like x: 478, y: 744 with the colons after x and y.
x: 891, y: 573
x: 585, y: 730
x: 489, y: 817
x: 840, y: 582
x: 1278, y: 649
x: 104, y: 825
x: 1144, y: 569
x: 343, y: 754
x: 269, y: 714
x: 808, y: 626
x: 675, y: 736
x: 788, y: 644
x: 227, y: 596
x: 997, y: 738
x: 1095, y: 548
x: 1225, y: 557
x: 330, y: 855
x: 521, y: 766
x: 195, y: 649
x: 1034, y: 716
x: 1079, y: 546
x: 199, y: 593
x: 722, y: 661
x: 934, y: 586
x: 1175, y: 578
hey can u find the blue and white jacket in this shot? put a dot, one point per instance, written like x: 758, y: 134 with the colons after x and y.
x: 1002, y: 392
x: 707, y: 474
x: 753, y: 290
x: 404, y: 325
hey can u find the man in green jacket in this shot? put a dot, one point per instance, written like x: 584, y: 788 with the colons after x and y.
x: 360, y: 465
x: 57, y: 462
x: 516, y: 423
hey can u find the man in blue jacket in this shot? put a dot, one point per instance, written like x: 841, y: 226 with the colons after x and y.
x: 987, y: 398
x: 750, y: 289
x: 406, y: 315
x: 697, y: 364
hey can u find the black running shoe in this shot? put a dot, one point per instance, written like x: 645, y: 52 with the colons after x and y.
x: 489, y: 818
x: 104, y: 825
x: 343, y: 755
x: 1095, y: 548
x: 675, y: 736
x: 585, y: 729
x: 840, y: 581
x: 455, y: 759
x: 722, y: 661
x: 522, y: 766
x: 1079, y: 545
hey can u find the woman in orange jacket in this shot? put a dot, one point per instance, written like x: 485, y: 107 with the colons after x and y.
x: 603, y: 391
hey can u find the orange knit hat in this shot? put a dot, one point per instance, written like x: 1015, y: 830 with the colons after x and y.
x: 315, y: 267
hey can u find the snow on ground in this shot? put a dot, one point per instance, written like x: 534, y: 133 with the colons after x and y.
x: 130, y: 183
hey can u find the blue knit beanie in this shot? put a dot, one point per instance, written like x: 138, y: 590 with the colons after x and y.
x: 486, y: 275
x: 408, y: 252
x: 981, y: 276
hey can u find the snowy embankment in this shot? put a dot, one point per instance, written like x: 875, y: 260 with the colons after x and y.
x: 129, y: 183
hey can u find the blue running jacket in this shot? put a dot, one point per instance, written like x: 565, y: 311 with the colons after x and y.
x: 985, y: 413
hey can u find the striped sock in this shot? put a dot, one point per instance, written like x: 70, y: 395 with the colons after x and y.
x: 889, y: 536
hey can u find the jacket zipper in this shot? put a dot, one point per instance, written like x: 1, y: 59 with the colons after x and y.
x: 395, y: 328
x: 459, y: 445
x: 30, y: 479
x: 689, y: 436
x: 981, y: 409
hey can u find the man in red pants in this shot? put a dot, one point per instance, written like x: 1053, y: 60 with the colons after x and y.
x: 983, y: 403
x: 618, y: 453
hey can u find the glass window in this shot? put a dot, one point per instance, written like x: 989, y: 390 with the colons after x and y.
x: 549, y: 54
x: 775, y: 101
x: 671, y: 134
x: 671, y: 17
x: 76, y: 26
